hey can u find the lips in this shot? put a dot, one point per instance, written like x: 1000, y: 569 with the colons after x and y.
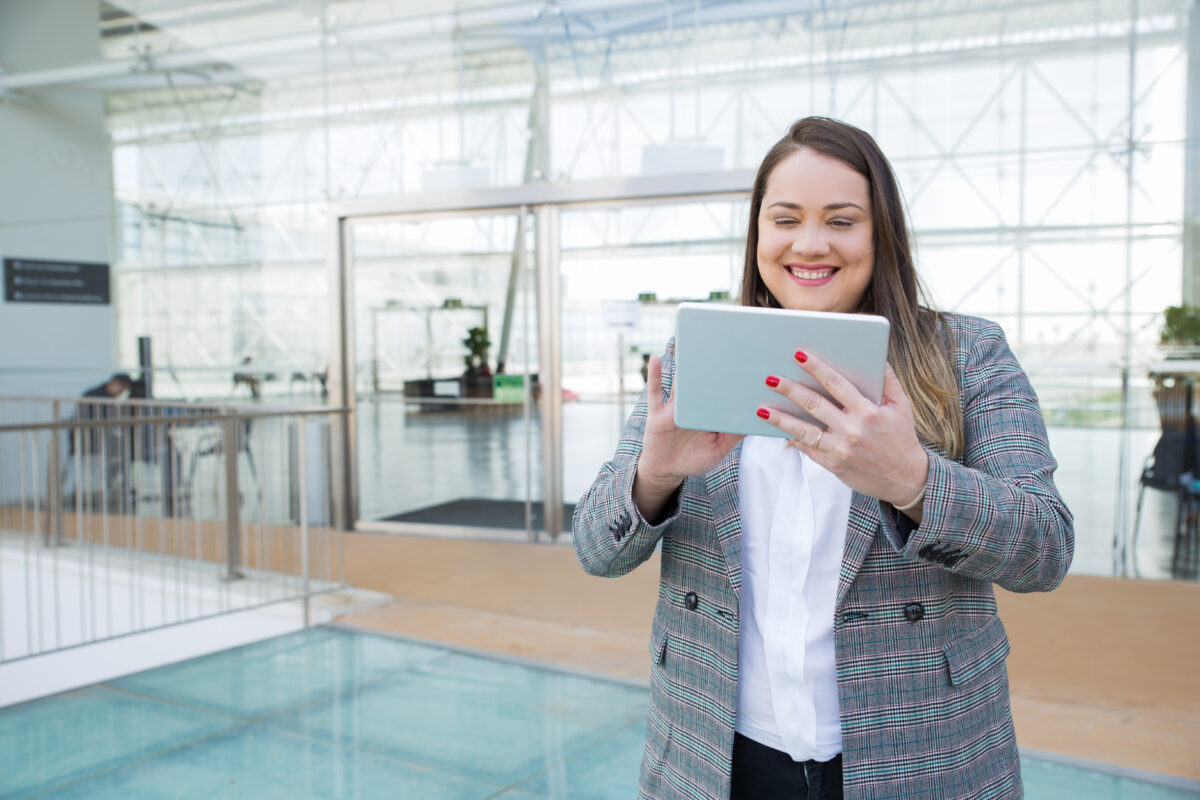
x: 817, y: 272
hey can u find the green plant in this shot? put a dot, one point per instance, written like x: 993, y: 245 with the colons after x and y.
x: 477, y: 343
x: 1182, y: 325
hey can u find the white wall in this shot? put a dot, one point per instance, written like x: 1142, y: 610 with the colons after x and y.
x: 55, y: 199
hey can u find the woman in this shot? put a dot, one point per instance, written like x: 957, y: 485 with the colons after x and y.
x: 826, y: 625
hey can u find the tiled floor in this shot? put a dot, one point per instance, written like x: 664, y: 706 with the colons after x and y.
x: 329, y: 713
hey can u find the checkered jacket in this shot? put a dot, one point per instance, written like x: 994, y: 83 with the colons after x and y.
x: 922, y: 684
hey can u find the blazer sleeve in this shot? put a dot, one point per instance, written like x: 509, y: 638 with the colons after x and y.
x: 997, y: 516
x: 609, y: 533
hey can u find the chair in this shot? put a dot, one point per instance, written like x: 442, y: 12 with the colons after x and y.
x: 1175, y: 452
x: 1185, y: 554
x: 195, y: 444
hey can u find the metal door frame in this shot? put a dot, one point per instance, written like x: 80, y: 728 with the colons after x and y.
x: 545, y: 201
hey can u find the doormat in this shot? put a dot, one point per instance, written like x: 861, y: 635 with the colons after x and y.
x: 477, y: 512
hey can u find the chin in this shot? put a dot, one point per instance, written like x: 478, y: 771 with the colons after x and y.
x: 804, y: 304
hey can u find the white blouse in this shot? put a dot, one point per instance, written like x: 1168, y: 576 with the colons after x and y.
x: 794, y: 515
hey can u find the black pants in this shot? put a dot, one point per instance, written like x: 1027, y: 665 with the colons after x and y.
x: 763, y: 773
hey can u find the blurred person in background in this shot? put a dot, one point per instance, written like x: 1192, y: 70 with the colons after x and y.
x: 98, y: 470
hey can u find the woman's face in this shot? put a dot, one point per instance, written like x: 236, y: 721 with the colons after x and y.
x: 815, y: 246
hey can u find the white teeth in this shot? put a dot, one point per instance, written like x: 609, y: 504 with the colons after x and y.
x: 811, y: 276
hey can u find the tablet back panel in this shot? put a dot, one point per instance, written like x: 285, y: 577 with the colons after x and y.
x: 723, y: 355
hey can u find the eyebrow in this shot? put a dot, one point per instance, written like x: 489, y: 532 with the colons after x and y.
x: 830, y: 207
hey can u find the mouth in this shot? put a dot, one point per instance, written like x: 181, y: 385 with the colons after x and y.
x: 814, y: 275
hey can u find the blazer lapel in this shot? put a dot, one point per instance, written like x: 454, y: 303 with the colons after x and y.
x: 723, y: 490
x: 860, y: 535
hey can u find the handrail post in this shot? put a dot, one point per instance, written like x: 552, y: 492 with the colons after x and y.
x: 550, y: 348
x: 53, y: 484
x: 302, y: 478
x: 233, y: 534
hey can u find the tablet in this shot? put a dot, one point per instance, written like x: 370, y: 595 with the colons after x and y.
x: 723, y: 355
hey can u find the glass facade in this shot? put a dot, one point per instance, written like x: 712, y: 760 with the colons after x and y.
x: 1042, y: 149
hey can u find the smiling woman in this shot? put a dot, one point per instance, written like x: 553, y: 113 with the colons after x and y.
x: 826, y: 624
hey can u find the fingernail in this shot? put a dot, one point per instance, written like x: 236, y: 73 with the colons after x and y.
x: 772, y: 381
x: 764, y: 414
x: 801, y: 356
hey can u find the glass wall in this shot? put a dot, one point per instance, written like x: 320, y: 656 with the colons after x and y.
x: 1042, y: 150
x: 624, y: 268
x: 445, y: 433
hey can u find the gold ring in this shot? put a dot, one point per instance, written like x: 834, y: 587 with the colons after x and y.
x: 817, y: 443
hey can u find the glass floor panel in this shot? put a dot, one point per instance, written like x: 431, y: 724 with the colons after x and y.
x: 330, y: 713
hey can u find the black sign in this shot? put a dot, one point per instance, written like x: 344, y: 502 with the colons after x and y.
x: 29, y: 281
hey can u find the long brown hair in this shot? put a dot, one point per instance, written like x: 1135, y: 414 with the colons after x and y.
x: 918, y: 351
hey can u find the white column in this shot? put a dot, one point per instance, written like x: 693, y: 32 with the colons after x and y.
x: 56, y: 169
x: 1191, y: 191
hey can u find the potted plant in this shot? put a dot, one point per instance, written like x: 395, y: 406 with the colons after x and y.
x: 477, y: 377
x: 1180, y: 339
x: 1180, y: 335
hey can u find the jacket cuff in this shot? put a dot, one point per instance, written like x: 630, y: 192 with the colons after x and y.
x: 939, y: 538
x: 897, y: 526
x: 629, y: 523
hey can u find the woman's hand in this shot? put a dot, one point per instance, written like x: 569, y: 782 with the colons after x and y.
x: 671, y: 454
x: 873, y: 449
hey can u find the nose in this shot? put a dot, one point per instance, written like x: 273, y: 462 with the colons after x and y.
x: 810, y: 241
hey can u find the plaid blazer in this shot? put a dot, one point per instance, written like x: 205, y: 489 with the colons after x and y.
x: 922, y: 684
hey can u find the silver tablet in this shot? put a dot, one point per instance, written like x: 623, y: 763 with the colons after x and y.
x: 723, y: 355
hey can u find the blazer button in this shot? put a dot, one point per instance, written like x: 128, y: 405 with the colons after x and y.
x: 914, y: 612
x: 690, y: 600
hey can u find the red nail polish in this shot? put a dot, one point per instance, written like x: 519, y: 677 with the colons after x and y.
x: 764, y: 414
x: 772, y: 381
x: 801, y: 356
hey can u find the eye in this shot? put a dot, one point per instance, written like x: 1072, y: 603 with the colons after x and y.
x: 783, y: 222
x: 841, y: 223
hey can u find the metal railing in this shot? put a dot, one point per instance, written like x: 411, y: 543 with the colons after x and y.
x: 118, y: 517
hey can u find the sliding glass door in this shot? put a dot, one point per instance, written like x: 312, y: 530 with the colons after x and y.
x: 489, y: 345
x: 446, y: 371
